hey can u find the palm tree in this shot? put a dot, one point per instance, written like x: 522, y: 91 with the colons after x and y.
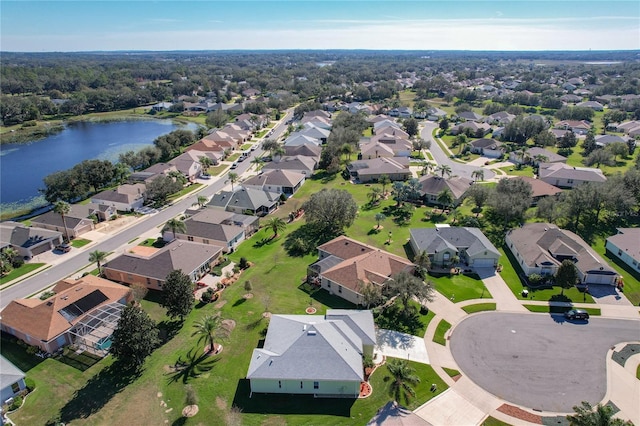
x: 347, y: 150
x: 384, y: 180
x: 233, y: 178
x: 445, y: 198
x: 423, y: 261
x: 478, y: 175
x: 175, y: 225
x: 258, y: 162
x: 403, y: 376
x: 277, y: 153
x: 276, y: 224
x: 374, y: 195
x: 427, y: 167
x: 205, y: 162
x: 210, y: 329
x: 98, y: 257
x: 201, y: 201
x: 522, y: 153
x: 443, y: 169
x: 602, y: 416
x: 379, y: 217
x: 540, y: 159
x: 62, y: 208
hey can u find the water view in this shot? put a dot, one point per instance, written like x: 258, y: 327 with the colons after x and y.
x: 23, y: 166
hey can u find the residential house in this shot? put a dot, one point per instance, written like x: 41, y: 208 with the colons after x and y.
x: 313, y: 354
x: 193, y: 259
x: 11, y: 380
x: 625, y: 245
x: 306, y: 150
x: 435, y: 114
x: 470, y: 116
x: 127, y: 197
x: 344, y: 265
x: 314, y: 132
x: 28, y: 241
x: 431, y: 186
x: 535, y: 156
x: 396, y: 168
x: 402, y: 112
x: 571, y: 98
x: 217, y: 227
x: 594, y: 105
x: 629, y: 127
x: 298, y: 163
x: 604, y: 140
x: 541, y: 247
x: 444, y: 244
x: 381, y: 145
x: 501, y: 118
x: 89, y: 304
x: 161, y: 106
x: 188, y: 163
x: 475, y: 128
x: 565, y: 176
x: 280, y: 181
x: 539, y: 188
x: 301, y: 139
x: 317, y: 121
x: 581, y: 127
x: 246, y: 201
x: 378, y: 126
x: 152, y: 172
x: 487, y: 147
x: 75, y: 226
x: 101, y: 212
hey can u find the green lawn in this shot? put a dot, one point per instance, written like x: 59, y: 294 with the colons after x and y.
x: 246, y: 146
x: 479, y: 307
x: 631, y: 277
x: 441, y: 329
x: 514, y: 171
x: 492, y: 421
x: 451, y: 372
x: 17, y: 273
x: 575, y: 159
x: 460, y: 287
x: 153, y: 242
x: 185, y: 191
x: 216, y: 170
x: 558, y: 309
x: 638, y: 372
x: 233, y: 157
x: 415, y: 324
x: 79, y: 242
x: 511, y: 277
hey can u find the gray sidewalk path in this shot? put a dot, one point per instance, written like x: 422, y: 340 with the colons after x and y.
x: 500, y: 291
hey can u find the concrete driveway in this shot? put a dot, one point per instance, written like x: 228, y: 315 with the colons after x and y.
x: 537, y: 360
x: 401, y: 345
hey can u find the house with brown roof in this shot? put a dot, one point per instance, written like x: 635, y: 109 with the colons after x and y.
x: 579, y: 127
x: 534, y: 152
x: 298, y: 163
x: 396, y: 168
x: 432, y: 185
x: 280, y: 181
x: 306, y: 150
x: 565, y: 176
x: 625, y: 245
x: 28, y: 241
x: 90, y: 304
x: 193, y: 259
x: 125, y: 198
x: 541, y: 247
x: 345, y: 264
x: 76, y: 226
x: 539, y: 188
x: 487, y: 147
x: 386, y: 145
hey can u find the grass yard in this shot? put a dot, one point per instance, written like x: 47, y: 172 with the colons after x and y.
x: 514, y: 171
x: 184, y: 191
x: 407, y: 98
x: 153, y: 242
x: 17, y: 273
x: 246, y: 146
x: 638, y: 372
x: 79, y: 242
x: 441, y: 330
x: 233, y: 157
x: 451, y: 372
x: 492, y: 421
x: 460, y: 287
x: 216, y: 170
x: 575, y: 159
x: 558, y: 309
x: 415, y: 324
x: 479, y: 307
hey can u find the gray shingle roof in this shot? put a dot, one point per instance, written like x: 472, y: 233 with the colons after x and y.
x: 437, y: 239
x: 245, y: 198
x: 627, y: 240
x: 9, y: 373
x: 307, y: 347
x: 19, y: 235
x: 433, y: 185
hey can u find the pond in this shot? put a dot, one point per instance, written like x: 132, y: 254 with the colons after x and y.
x: 23, y: 166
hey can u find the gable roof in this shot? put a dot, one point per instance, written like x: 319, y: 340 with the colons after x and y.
x: 627, y: 240
x: 309, y: 149
x: 382, y: 165
x: 433, y: 185
x: 304, y: 347
x: 552, y: 157
x: 9, y: 373
x: 127, y: 193
x: 542, y: 242
x: 539, y: 187
x: 178, y: 254
x: 564, y: 171
x: 296, y: 162
x: 485, y: 143
x: 275, y: 177
x: 46, y: 319
x: 19, y: 235
x: 245, y: 198
x: 433, y: 240
x: 52, y: 218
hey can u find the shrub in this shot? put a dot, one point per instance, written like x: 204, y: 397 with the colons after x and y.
x: 47, y: 294
x: 17, y: 403
x: 32, y: 350
x: 248, y: 286
x: 236, y: 269
x: 243, y: 264
x: 207, y: 296
x: 30, y: 383
x: 17, y: 262
x: 535, y: 279
x: 424, y: 310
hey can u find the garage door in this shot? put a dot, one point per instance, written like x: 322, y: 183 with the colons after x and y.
x: 599, y: 279
x: 483, y: 262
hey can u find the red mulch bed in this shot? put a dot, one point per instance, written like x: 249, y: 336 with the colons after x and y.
x: 519, y: 413
x: 365, y: 390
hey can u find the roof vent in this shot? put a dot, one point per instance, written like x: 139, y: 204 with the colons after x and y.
x: 311, y: 333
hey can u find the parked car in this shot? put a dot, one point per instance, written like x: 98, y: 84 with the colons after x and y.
x: 64, y: 247
x: 234, y: 165
x: 577, y: 314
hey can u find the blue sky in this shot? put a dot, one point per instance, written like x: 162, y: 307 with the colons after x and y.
x: 40, y: 26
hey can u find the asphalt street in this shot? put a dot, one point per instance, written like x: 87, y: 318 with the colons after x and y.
x: 537, y: 360
x: 74, y: 263
x: 457, y: 169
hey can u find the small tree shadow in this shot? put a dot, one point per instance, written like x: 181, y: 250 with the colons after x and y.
x: 98, y: 391
x: 262, y: 242
x: 192, y: 366
x: 239, y: 302
x: 169, y: 329
x: 306, y: 239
